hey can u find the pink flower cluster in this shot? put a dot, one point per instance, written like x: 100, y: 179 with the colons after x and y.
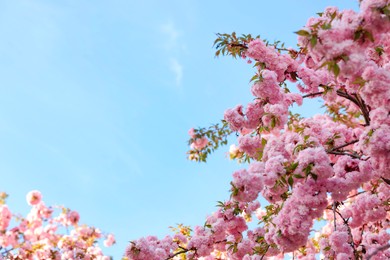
x: 198, y: 143
x: 39, y: 235
x: 246, y: 185
x: 366, y: 208
x: 281, y: 64
x: 151, y: 248
x: 294, y: 221
x: 333, y: 167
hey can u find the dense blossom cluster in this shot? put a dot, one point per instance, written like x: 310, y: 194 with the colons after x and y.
x: 333, y: 167
x: 42, y: 235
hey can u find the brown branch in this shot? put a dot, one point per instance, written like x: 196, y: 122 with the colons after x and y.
x: 386, y: 180
x: 334, y: 215
x: 313, y: 94
x: 358, y: 102
x: 344, y: 153
x: 336, y: 151
x: 382, y: 248
x: 364, y: 109
x: 239, y: 45
x: 184, y: 250
x: 265, y: 253
x: 344, y: 145
x: 347, y: 96
x: 352, y: 244
x: 357, y: 194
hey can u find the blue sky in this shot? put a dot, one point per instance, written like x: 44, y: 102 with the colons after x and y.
x: 96, y: 98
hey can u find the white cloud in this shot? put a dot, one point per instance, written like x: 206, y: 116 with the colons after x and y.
x: 171, y: 35
x: 173, y: 47
x: 177, y: 70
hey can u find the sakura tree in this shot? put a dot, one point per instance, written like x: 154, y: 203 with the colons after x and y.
x: 332, y: 169
x: 42, y: 235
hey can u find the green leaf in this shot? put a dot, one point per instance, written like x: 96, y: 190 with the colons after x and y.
x: 263, y: 142
x: 326, y: 26
x: 326, y: 63
x: 220, y: 204
x: 254, y: 78
x: 290, y: 181
x: 357, y: 34
x: 344, y: 57
x: 294, y: 166
x: 298, y: 148
x: 303, y: 33
x: 386, y: 11
x: 379, y: 50
x: 359, y: 81
x: 273, y: 121
x: 368, y: 34
x: 336, y: 69
x: 313, y: 41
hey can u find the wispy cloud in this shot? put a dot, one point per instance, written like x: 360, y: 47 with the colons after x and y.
x: 173, y: 47
x: 177, y: 70
x: 171, y: 35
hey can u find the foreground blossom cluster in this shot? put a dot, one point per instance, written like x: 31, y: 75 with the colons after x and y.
x: 332, y: 169
x: 42, y: 234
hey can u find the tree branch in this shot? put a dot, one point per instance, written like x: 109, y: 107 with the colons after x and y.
x: 264, y: 253
x: 184, y: 250
x: 344, y: 153
x: 364, y: 109
x: 382, y: 248
x: 344, y: 145
x: 386, y: 180
x: 313, y: 94
x: 358, y: 102
x: 352, y: 244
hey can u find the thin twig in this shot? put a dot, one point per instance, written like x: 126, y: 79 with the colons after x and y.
x: 357, y: 194
x: 334, y: 216
x: 358, y: 102
x: 261, y: 258
x: 382, y: 248
x: 238, y: 45
x: 344, y: 145
x: 363, y: 108
x: 313, y: 94
x: 344, y: 153
x: 349, y: 233
x: 184, y: 250
x: 386, y: 180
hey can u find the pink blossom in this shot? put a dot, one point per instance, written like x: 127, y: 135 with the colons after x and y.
x: 110, y: 240
x: 235, y: 118
x: 267, y: 88
x: 191, y: 133
x: 33, y: 197
x: 251, y: 145
x: 5, y: 217
x: 246, y: 185
x: 200, y: 143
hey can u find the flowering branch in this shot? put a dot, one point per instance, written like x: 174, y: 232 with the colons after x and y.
x: 353, y: 155
x: 357, y: 101
x: 355, y: 252
x: 313, y: 94
x: 382, y: 248
x: 183, y: 251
